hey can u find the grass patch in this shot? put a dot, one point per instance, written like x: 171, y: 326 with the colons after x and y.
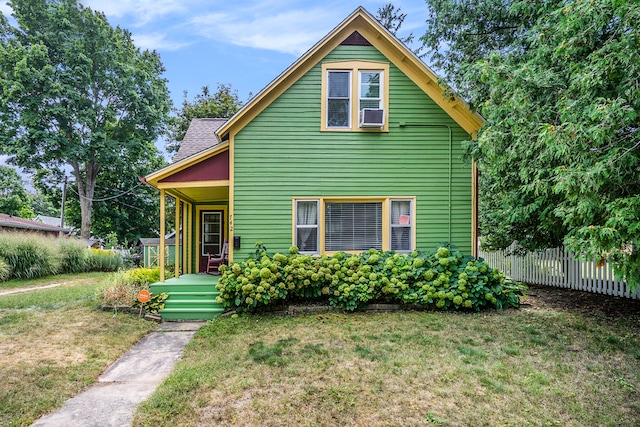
x: 54, y: 343
x: 409, y: 368
x: 50, y: 280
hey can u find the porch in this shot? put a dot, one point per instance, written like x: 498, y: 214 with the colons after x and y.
x: 191, y: 297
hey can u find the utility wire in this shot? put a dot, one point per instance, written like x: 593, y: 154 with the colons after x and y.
x: 106, y: 198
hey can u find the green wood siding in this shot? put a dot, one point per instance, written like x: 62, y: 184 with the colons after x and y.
x: 282, y: 154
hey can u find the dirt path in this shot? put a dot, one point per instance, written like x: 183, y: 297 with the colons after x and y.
x: 35, y: 288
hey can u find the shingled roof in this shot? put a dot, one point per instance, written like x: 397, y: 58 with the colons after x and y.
x: 200, y: 136
x: 13, y: 223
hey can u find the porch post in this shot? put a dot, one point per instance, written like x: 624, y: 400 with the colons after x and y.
x: 177, y: 244
x: 185, y: 239
x: 162, y: 232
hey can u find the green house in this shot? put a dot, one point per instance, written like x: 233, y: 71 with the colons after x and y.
x: 354, y: 146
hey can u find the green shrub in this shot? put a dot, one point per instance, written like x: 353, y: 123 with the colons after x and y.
x: 74, y: 256
x: 5, y: 270
x: 122, y: 287
x: 442, y: 280
x: 29, y: 255
x: 104, y: 260
x: 142, y: 276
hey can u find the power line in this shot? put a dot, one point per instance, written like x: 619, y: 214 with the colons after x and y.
x: 106, y: 198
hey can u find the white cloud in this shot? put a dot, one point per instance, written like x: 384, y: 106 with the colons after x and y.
x: 156, y: 41
x: 293, y: 31
x: 143, y: 11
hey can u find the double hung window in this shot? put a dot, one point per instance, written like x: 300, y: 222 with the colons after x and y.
x: 401, y: 225
x: 350, y: 87
x: 339, y: 99
x: 307, y: 220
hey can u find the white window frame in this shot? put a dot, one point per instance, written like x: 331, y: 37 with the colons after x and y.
x: 349, y: 99
x: 298, y: 227
x: 380, y: 97
x: 409, y: 226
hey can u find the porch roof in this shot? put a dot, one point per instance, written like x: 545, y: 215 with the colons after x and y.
x: 202, y: 177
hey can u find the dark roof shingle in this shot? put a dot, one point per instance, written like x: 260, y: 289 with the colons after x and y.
x: 200, y: 136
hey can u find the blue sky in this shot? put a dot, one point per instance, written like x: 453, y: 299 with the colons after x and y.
x: 242, y: 43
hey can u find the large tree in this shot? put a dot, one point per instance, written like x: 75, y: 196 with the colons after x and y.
x: 223, y: 103
x: 77, y: 94
x: 557, y: 82
x: 123, y: 207
x: 13, y: 196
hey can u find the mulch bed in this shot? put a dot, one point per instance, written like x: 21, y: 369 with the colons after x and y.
x: 582, y: 302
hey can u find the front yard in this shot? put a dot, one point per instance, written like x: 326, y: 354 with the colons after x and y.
x: 564, y: 359
x: 541, y: 365
x: 54, y: 342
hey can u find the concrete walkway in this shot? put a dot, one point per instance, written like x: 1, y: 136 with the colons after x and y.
x: 113, y: 399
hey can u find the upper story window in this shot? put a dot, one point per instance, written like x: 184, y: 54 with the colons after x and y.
x: 339, y: 99
x: 355, y: 96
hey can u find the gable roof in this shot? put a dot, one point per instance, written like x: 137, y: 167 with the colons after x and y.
x: 371, y: 30
x: 200, y: 136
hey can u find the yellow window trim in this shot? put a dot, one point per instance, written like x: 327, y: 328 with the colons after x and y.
x: 355, y: 67
x: 386, y: 218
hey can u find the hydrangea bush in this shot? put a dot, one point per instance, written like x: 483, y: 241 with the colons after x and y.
x: 444, y: 280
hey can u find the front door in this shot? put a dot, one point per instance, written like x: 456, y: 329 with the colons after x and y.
x: 211, y: 236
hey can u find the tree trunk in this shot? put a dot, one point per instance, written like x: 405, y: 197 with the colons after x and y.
x: 86, y: 189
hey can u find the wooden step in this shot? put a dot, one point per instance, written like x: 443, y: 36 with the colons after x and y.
x: 191, y: 313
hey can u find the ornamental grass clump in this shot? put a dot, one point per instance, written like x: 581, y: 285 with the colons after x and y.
x: 443, y: 280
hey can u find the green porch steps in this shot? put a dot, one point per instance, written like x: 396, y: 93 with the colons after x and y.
x: 191, y: 297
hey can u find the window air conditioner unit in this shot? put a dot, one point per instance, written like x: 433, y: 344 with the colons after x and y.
x: 371, y: 117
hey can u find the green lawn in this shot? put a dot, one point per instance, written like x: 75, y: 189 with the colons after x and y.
x: 527, y: 367
x: 55, y: 342
x: 49, y: 280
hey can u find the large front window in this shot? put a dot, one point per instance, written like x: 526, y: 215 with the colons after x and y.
x: 352, y: 226
x: 327, y: 225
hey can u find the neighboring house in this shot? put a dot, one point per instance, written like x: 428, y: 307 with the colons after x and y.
x: 355, y: 146
x: 14, y: 223
x: 51, y: 220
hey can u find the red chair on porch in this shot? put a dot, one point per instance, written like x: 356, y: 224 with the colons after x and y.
x: 214, y: 262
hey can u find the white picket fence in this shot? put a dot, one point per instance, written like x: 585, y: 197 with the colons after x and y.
x: 557, y: 267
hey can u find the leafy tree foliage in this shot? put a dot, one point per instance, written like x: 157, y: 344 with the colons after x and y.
x: 13, y: 196
x: 392, y: 19
x: 124, y: 210
x: 41, y: 205
x: 223, y: 103
x: 557, y: 82
x: 76, y: 93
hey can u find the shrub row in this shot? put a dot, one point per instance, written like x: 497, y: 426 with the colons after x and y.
x: 444, y: 279
x: 27, y: 256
